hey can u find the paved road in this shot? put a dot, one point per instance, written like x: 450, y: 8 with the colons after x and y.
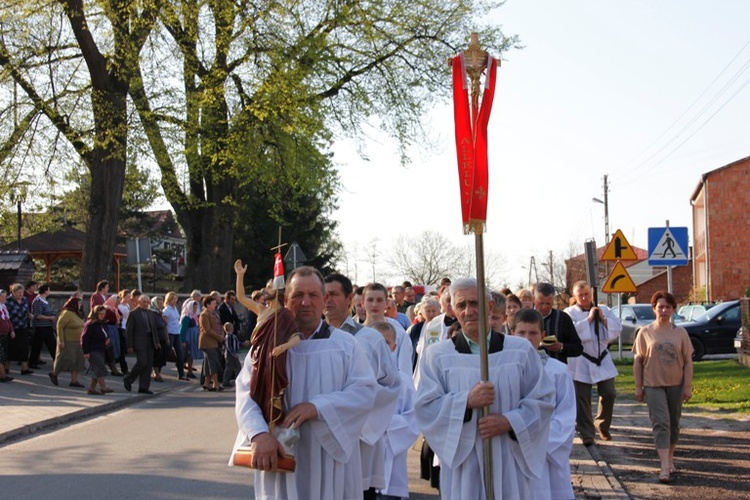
x: 172, y: 445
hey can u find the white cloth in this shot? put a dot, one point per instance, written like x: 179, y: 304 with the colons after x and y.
x: 555, y: 481
x: 372, y: 444
x: 524, y: 396
x: 404, y: 350
x: 434, y: 331
x: 400, y: 436
x: 333, y: 374
x: 582, y: 369
x: 124, y: 312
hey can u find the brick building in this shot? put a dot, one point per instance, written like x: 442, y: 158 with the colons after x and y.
x: 682, y: 282
x: 721, y: 229
x: 575, y: 267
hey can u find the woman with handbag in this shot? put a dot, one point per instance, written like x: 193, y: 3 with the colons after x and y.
x: 210, y: 340
x: 112, y: 319
x: 189, y: 334
x: 172, y: 317
x: 160, y: 355
x: 94, y: 340
x: 69, y: 356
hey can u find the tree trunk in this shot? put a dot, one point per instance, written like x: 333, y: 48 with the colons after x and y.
x: 106, y: 162
x: 210, y: 234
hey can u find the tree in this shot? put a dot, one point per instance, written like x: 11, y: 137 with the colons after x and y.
x: 302, y: 211
x: 73, y: 63
x: 224, y: 80
x: 426, y: 258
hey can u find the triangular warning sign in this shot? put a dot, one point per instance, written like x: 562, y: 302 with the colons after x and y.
x: 668, y: 249
x: 619, y: 281
x: 619, y: 249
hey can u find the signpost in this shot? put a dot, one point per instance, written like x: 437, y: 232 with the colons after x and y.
x: 619, y: 281
x: 668, y: 246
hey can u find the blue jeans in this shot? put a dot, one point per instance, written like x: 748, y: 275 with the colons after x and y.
x: 174, y: 340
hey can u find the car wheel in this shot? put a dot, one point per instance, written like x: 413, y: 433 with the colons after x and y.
x: 698, y: 350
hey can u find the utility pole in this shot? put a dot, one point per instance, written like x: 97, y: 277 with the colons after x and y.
x: 551, y: 269
x: 606, y: 232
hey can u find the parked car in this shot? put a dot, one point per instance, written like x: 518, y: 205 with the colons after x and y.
x: 691, y: 312
x: 634, y: 316
x: 714, y: 331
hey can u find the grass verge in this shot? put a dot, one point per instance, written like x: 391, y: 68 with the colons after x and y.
x: 722, y: 385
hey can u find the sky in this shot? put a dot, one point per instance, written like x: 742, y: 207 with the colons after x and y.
x: 652, y: 94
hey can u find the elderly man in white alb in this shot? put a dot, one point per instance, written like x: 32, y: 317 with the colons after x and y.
x: 597, y: 327
x: 329, y: 397
x: 519, y: 394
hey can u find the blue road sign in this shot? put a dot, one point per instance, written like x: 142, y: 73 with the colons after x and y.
x: 667, y: 246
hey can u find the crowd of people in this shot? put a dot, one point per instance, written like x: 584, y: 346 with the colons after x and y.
x: 366, y: 370
x: 344, y: 379
x: 128, y: 322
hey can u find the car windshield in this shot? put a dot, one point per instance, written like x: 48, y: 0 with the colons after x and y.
x: 712, y: 313
x: 644, y: 313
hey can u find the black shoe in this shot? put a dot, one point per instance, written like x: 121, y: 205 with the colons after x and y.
x: 145, y: 391
x: 41, y: 362
x: 117, y: 374
x: 53, y: 378
x: 34, y: 366
x: 26, y: 372
x: 128, y: 385
x: 6, y: 379
x: 221, y: 387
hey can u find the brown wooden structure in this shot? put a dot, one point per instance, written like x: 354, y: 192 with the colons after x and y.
x: 65, y: 243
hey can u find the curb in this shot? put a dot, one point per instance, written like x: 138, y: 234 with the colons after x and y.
x: 617, y: 488
x: 83, y: 413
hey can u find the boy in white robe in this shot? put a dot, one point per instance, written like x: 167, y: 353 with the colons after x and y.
x: 375, y: 302
x: 402, y: 431
x: 555, y: 482
x: 329, y: 397
x: 339, y: 295
x: 518, y: 393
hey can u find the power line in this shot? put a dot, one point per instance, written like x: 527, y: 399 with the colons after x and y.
x: 700, y: 113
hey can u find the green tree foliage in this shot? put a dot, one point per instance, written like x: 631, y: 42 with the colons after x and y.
x: 219, y: 87
x: 300, y: 205
x: 69, y: 65
x: 224, y: 78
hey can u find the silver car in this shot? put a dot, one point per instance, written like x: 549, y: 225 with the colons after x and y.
x: 634, y: 316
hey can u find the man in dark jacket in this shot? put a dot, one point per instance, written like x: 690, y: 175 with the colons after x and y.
x: 142, y: 332
x: 557, y: 323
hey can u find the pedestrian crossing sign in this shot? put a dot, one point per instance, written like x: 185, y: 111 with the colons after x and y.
x: 667, y: 246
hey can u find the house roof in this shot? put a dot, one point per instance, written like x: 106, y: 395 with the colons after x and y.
x: 710, y: 172
x: 164, y: 222
x: 641, y: 253
x: 13, y: 260
x: 67, y: 242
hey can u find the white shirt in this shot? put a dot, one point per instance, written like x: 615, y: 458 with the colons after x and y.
x: 581, y: 368
x: 555, y: 481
